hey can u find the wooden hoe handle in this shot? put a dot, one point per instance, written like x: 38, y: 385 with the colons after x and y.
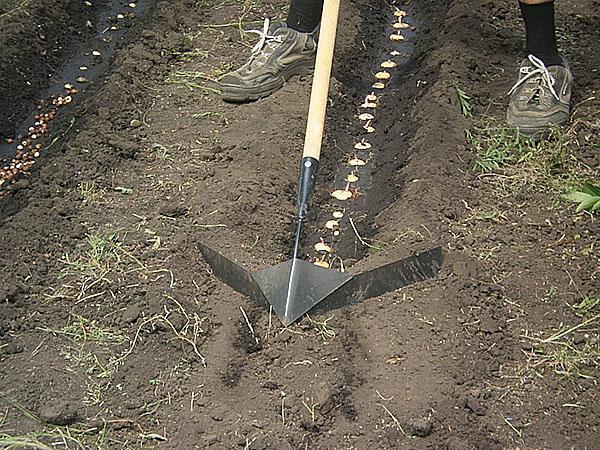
x: 320, y: 86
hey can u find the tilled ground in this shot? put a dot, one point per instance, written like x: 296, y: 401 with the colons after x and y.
x: 115, y: 334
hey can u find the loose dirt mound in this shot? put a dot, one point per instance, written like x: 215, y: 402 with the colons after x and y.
x: 125, y: 339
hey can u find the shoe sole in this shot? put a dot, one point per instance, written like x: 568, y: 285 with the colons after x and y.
x: 236, y: 94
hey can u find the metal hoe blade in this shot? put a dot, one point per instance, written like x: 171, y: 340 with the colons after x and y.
x: 295, y: 287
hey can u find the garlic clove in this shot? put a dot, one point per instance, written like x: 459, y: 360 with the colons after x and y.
x: 366, y: 116
x: 332, y: 224
x: 355, y: 162
x: 362, y: 145
x: 352, y: 178
x: 371, y: 97
x: 397, y: 37
x: 338, y: 215
x: 382, y: 75
x: 399, y: 13
x: 322, y: 247
x: 395, y: 53
x: 368, y: 105
x: 400, y: 25
x: 378, y: 85
x: 342, y: 194
x: 389, y: 64
x: 323, y: 264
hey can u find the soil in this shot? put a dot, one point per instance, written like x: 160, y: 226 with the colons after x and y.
x: 34, y: 38
x: 114, y: 330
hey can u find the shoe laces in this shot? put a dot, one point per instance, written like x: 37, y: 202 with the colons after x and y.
x: 264, y: 38
x: 538, y: 70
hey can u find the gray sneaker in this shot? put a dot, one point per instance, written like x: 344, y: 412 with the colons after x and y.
x: 541, y: 98
x: 280, y: 54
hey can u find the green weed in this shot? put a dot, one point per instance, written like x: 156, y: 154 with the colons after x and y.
x: 588, y: 198
x: 464, y: 101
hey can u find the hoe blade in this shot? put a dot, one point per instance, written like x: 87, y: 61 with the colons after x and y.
x: 232, y: 274
x: 388, y: 278
x: 294, y: 287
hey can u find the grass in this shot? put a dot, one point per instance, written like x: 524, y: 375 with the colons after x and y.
x: 89, y: 269
x: 101, y: 256
x: 520, y: 164
x: 80, y: 329
x: 571, y: 351
x: 193, y: 80
x: 49, y: 437
x: 322, y: 328
x: 10, y: 7
x: 161, y: 152
x: 91, y: 193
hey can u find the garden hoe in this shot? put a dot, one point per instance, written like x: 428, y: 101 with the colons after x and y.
x: 296, y: 287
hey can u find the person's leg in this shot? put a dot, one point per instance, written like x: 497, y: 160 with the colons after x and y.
x: 540, y: 40
x: 284, y: 50
x: 304, y: 15
x: 541, y: 98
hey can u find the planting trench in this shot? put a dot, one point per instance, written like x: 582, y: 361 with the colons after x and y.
x: 117, y: 326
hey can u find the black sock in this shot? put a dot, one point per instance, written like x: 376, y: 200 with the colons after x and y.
x: 541, y: 33
x: 304, y: 15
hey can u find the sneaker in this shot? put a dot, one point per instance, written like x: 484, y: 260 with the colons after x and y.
x: 541, y: 98
x: 279, y: 54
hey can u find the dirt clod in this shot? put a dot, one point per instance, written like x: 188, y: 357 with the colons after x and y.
x: 60, y: 412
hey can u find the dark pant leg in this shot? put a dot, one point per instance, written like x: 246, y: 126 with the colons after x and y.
x: 305, y: 15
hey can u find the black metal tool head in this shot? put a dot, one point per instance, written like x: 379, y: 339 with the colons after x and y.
x: 295, y: 287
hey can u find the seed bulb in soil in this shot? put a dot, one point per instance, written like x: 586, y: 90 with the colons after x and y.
x: 356, y: 162
x: 369, y: 105
x: 81, y: 79
x: 331, y: 224
x: 362, y: 145
x: 342, y: 195
x: 338, y: 215
x: 352, y: 178
x: 382, y: 75
x: 366, y: 116
x: 321, y: 247
x: 400, y: 25
x: 378, y: 85
x: 389, y: 64
x: 323, y: 264
x: 371, y: 97
x: 397, y: 37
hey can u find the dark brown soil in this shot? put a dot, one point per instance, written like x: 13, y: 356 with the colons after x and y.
x: 112, y: 323
x: 34, y: 37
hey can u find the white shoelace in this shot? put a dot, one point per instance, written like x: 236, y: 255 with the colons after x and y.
x: 264, y: 37
x: 539, y: 69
